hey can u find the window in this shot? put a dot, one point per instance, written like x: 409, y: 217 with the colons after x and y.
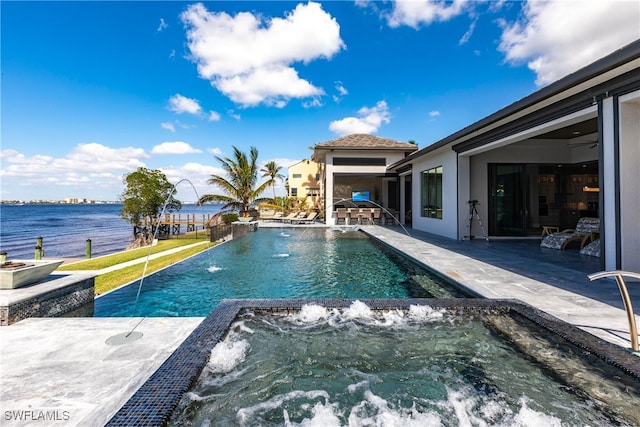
x: 297, y: 175
x: 431, y: 193
x: 294, y: 192
x: 359, y: 161
x: 317, y: 177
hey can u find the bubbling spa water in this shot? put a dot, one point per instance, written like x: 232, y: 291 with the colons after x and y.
x: 415, y: 367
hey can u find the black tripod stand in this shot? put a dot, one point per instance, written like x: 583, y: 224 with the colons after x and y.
x: 473, y: 213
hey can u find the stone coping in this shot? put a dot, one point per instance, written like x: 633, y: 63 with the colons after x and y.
x: 53, y: 282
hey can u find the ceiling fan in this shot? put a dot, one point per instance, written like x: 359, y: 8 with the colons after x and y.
x: 590, y: 142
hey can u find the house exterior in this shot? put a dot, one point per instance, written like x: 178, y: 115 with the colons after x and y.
x: 359, y: 163
x: 304, y: 181
x: 569, y: 150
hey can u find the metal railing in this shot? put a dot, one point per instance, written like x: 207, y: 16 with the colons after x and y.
x: 619, y: 274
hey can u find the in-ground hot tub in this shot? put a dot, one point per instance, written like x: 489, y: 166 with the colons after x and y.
x: 426, y: 361
x: 17, y: 273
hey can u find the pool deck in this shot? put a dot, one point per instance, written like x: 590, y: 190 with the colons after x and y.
x: 553, y: 281
x: 75, y: 371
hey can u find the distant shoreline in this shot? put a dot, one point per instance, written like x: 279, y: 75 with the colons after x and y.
x: 56, y: 202
x: 66, y: 228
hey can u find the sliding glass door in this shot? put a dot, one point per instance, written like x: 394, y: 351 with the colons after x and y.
x: 508, y: 209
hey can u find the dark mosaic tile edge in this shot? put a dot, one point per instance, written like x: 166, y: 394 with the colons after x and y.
x: 155, y: 401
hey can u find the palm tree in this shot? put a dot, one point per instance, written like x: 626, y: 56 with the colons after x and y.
x: 239, y: 185
x: 272, y: 171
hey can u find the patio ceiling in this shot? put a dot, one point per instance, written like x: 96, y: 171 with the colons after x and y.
x: 588, y: 127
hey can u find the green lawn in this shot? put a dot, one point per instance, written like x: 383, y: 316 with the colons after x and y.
x: 114, y: 279
x: 120, y: 257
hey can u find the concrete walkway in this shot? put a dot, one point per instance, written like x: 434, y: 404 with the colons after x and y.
x: 141, y: 260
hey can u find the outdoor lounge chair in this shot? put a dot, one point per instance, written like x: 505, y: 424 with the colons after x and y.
x: 277, y: 216
x: 294, y: 216
x: 270, y: 215
x: 585, y: 231
x: 307, y: 219
x: 591, y: 249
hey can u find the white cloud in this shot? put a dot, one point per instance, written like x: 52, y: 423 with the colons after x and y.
x: 250, y: 59
x: 162, y: 25
x: 314, y: 102
x: 214, y: 116
x: 434, y: 113
x: 168, y: 126
x: 556, y: 38
x: 368, y: 121
x: 92, y: 167
x: 196, y: 174
x: 215, y: 151
x: 181, y: 104
x: 415, y: 13
x: 176, y: 147
x: 466, y: 36
x: 284, y: 162
x: 185, y: 125
x: 233, y: 114
x: 341, y: 89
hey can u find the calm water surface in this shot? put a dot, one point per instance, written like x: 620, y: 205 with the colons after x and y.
x: 270, y: 263
x: 66, y: 228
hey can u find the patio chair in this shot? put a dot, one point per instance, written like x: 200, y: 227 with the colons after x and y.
x: 586, y: 230
x: 352, y: 215
x: 307, y: 219
x: 290, y: 217
x: 591, y: 249
x: 269, y: 215
x: 277, y: 216
x: 365, y: 216
x: 341, y: 214
x: 390, y: 216
x: 377, y: 213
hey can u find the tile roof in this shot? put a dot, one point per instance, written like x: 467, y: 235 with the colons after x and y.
x: 360, y: 141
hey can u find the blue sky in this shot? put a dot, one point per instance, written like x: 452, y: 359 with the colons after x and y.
x: 92, y: 90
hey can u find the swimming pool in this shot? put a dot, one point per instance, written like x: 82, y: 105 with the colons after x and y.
x: 277, y: 263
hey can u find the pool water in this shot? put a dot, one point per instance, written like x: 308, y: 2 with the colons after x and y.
x: 275, y: 264
x: 355, y: 367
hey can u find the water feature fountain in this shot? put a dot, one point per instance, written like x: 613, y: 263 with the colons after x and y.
x: 384, y: 210
x: 133, y: 335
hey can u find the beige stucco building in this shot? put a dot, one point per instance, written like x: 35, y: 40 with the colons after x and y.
x: 304, y: 181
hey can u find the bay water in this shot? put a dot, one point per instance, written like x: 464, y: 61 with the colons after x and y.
x: 65, y: 228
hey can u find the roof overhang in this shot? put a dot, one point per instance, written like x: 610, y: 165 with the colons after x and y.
x: 615, y: 74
